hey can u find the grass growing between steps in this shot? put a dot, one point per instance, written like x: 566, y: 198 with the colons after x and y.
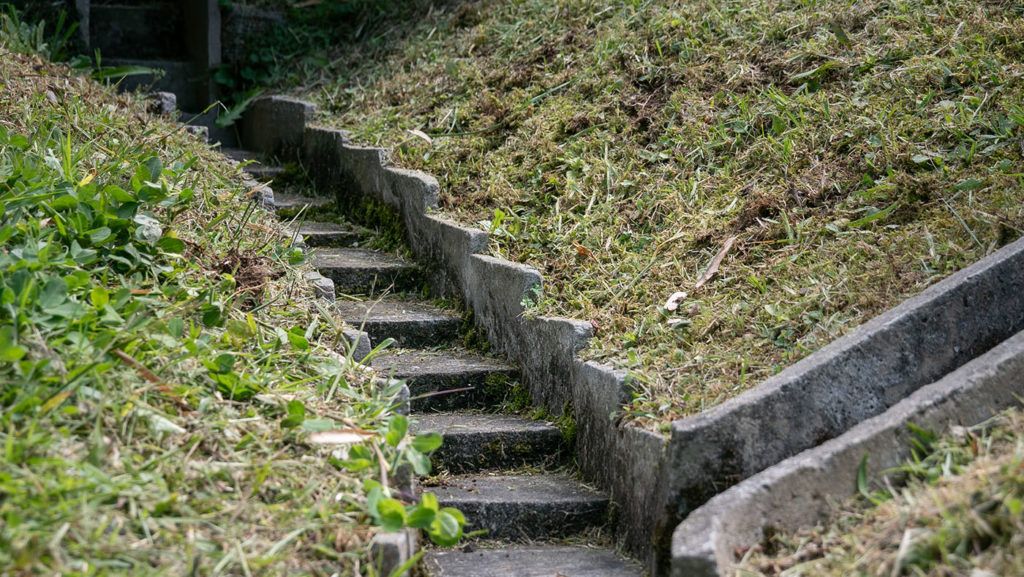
x: 163, y: 370
x: 960, y: 514
x: 837, y: 156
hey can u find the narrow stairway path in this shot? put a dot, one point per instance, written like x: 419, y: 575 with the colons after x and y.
x: 511, y: 476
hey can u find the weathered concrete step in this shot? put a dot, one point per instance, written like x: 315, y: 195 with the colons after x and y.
x: 285, y: 202
x: 256, y: 168
x: 326, y: 234
x: 524, y: 507
x: 360, y: 270
x: 531, y: 561
x: 479, y: 441
x: 410, y: 323
x: 436, y: 373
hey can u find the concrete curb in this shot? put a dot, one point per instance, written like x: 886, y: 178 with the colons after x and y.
x: 852, y: 379
x: 798, y: 491
x: 655, y: 482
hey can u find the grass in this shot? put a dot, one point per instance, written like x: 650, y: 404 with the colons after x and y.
x: 849, y: 153
x: 163, y: 365
x: 960, y: 514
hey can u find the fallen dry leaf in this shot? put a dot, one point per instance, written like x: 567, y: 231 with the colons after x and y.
x: 673, y: 301
x: 339, y: 437
x: 715, y: 263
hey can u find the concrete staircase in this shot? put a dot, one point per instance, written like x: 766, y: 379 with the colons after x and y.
x: 510, y: 475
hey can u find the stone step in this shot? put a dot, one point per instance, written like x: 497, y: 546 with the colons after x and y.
x: 327, y: 234
x: 523, y: 507
x: 530, y: 561
x: 411, y: 323
x: 262, y: 172
x: 488, y: 380
x: 290, y: 203
x: 361, y: 271
x: 140, y: 31
x: 480, y: 441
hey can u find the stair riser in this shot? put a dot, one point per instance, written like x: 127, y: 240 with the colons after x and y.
x: 469, y: 453
x: 367, y: 281
x: 516, y: 521
x: 412, y: 334
x: 485, y: 391
x: 331, y: 239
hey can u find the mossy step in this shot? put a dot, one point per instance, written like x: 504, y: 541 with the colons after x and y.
x: 329, y: 234
x: 480, y: 441
x: 411, y: 323
x: 361, y: 271
x: 285, y: 202
x: 448, y: 380
x: 530, y: 561
x: 524, y: 507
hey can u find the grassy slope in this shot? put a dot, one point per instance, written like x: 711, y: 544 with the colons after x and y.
x: 858, y: 152
x: 961, y: 515
x: 162, y: 363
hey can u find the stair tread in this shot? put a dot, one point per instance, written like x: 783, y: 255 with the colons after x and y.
x: 286, y: 201
x: 531, y: 561
x: 358, y: 258
x: 517, y: 490
x: 411, y: 363
x: 450, y: 424
x: 394, y: 311
x: 328, y: 233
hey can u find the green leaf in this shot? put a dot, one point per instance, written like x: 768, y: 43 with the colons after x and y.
x: 875, y: 215
x: 298, y: 340
x: 421, y: 517
x: 397, y: 429
x: 171, y: 245
x: 447, y: 528
x: 391, y: 514
x: 427, y: 442
x: 99, y: 296
x: 420, y: 462
x: 296, y: 412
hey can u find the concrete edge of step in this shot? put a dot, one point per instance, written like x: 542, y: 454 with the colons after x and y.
x: 800, y: 491
x: 809, y: 402
x: 389, y: 552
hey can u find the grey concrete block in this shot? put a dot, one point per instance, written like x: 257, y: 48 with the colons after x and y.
x: 797, y: 492
x: 360, y: 271
x: 323, y: 287
x: 477, y: 442
x: 328, y: 234
x: 389, y: 551
x: 275, y: 126
x: 435, y: 374
x: 530, y: 561
x: 852, y: 379
x: 162, y: 104
x: 358, y: 339
x: 411, y: 323
x: 541, y: 506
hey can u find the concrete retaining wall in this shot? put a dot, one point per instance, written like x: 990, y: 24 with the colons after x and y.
x: 798, y: 492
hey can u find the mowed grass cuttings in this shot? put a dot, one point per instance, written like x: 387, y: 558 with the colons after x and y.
x: 959, y: 514
x: 172, y: 400
x: 836, y: 156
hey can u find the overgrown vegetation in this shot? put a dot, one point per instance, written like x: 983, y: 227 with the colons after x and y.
x: 959, y: 514
x: 848, y: 154
x: 172, y: 398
